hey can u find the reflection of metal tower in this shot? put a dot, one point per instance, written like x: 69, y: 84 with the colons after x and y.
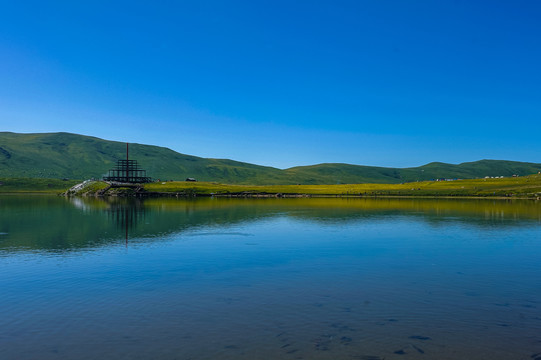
x: 126, y: 213
x: 127, y: 171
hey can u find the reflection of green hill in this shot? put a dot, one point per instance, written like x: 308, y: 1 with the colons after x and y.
x: 58, y: 224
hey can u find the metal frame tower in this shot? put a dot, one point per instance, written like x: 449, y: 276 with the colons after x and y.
x: 127, y: 171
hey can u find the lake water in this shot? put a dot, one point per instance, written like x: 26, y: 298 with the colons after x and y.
x: 269, y: 279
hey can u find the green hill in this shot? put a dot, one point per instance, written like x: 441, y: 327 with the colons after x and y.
x: 354, y: 174
x: 64, y: 155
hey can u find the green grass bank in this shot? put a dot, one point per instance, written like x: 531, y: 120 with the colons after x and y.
x: 517, y: 187
x: 526, y: 186
x: 35, y: 185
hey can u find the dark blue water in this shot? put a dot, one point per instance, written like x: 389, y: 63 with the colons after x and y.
x: 269, y: 279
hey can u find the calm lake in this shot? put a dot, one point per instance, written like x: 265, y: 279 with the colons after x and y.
x: 221, y: 278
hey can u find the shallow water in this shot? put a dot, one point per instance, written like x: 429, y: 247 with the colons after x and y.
x: 269, y: 279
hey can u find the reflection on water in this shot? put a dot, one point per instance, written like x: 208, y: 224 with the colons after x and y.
x: 89, y: 222
x: 126, y: 214
x: 269, y: 278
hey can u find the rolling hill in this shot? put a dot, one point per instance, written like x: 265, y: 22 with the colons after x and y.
x: 65, y: 155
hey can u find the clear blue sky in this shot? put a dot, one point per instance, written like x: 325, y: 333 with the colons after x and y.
x: 281, y: 83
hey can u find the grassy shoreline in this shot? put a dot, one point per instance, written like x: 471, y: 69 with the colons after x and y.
x: 511, y: 187
x: 35, y: 185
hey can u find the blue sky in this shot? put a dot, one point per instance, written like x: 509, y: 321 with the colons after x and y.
x: 281, y: 83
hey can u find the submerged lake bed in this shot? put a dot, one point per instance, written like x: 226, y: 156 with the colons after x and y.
x: 219, y: 278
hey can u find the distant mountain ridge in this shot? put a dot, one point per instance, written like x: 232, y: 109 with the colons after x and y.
x: 66, y: 155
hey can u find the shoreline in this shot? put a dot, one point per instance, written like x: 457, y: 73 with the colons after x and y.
x: 270, y: 196
x: 526, y: 187
x: 296, y: 196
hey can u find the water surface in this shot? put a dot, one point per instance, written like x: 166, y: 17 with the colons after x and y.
x: 269, y: 279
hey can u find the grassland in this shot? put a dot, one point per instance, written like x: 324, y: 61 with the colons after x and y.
x: 519, y: 187
x: 35, y: 185
x: 526, y: 186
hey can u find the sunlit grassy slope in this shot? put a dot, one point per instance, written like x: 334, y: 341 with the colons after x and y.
x: 514, y: 186
x: 63, y: 155
x: 34, y: 185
